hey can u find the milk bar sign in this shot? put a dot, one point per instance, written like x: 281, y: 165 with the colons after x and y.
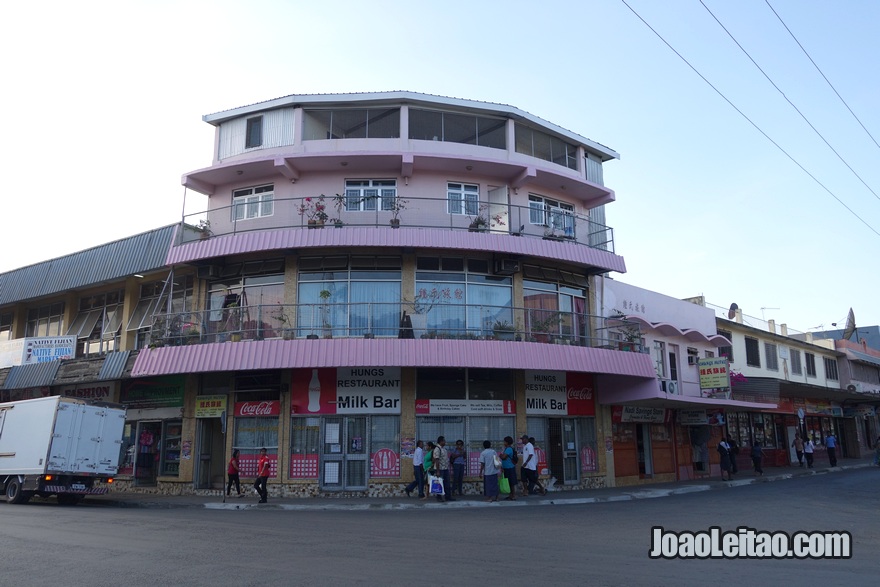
x: 558, y: 393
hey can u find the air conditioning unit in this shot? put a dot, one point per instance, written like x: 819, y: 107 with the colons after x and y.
x: 693, y: 360
x: 669, y: 386
x: 208, y: 272
x: 506, y: 266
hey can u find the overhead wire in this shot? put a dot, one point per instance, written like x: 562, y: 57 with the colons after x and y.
x: 822, y: 74
x: 810, y: 124
x: 750, y: 121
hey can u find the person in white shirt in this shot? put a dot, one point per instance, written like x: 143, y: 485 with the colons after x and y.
x: 418, y: 471
x: 529, y: 469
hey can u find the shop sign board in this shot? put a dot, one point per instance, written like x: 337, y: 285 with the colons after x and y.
x: 210, y: 406
x: 708, y: 417
x: 714, y: 372
x: 41, y: 349
x: 559, y: 393
x: 257, y: 409
x: 639, y: 414
x: 463, y: 406
x: 373, y: 390
x: 861, y: 410
x: 99, y: 391
x: 156, y: 392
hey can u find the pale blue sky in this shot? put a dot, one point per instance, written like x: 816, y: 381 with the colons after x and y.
x: 105, y: 99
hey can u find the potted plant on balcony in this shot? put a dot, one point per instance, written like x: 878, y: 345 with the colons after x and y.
x: 503, y: 330
x: 397, y: 205
x: 204, y: 228
x: 543, y: 324
x: 483, y: 221
x: 325, y: 296
x: 314, y: 210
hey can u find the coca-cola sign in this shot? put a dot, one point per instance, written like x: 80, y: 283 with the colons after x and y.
x: 559, y: 393
x: 258, y: 408
x: 584, y: 393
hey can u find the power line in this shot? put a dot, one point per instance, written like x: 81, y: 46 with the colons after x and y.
x: 822, y: 74
x: 741, y: 113
x: 772, y: 83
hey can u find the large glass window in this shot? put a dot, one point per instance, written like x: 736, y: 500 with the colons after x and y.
x: 384, y: 439
x: 45, y: 320
x: 555, y: 310
x: 305, y: 445
x: 254, y: 202
x: 473, y: 430
x: 98, y: 323
x: 558, y: 217
x: 254, y: 133
x: 370, y: 194
x: 349, y: 296
x: 6, y: 326
x: 530, y: 141
x: 153, y: 300
x: 247, y: 299
x: 353, y: 123
x: 432, y: 125
x: 753, y: 355
x: 461, y: 303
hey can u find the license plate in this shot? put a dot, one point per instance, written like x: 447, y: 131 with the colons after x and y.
x: 77, y: 486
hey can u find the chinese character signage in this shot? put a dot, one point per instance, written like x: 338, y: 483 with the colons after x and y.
x: 714, y: 373
x: 210, y: 406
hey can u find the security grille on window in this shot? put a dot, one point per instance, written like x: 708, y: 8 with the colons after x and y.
x: 772, y: 356
x: 462, y: 199
x: 367, y: 194
x: 796, y: 362
x: 811, y: 364
x: 726, y: 351
x: 254, y: 202
x: 753, y: 355
x: 830, y: 369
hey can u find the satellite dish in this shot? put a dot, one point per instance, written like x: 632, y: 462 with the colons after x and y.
x: 850, y: 327
x: 731, y: 313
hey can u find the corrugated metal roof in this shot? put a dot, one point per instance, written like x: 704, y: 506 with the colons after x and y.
x: 34, y: 375
x: 135, y: 254
x: 297, y: 238
x: 355, y: 352
x: 114, y: 365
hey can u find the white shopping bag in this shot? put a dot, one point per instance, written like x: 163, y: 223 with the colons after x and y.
x: 435, y: 485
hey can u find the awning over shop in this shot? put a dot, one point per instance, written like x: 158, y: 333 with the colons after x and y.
x: 614, y: 390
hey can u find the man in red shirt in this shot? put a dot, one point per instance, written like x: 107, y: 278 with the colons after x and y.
x: 263, y: 468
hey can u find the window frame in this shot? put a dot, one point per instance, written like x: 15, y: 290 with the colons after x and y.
x: 771, y: 355
x: 357, y: 198
x: 253, y: 202
x: 753, y: 352
x: 253, y: 136
x: 462, y: 198
x: 831, y: 371
x: 810, y: 364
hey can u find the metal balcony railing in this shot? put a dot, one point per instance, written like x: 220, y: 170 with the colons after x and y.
x: 533, y: 221
x: 392, y: 320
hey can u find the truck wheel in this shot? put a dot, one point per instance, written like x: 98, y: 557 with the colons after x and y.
x: 14, y: 492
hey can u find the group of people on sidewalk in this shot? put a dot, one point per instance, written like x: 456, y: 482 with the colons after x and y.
x: 432, y: 462
x: 804, y: 449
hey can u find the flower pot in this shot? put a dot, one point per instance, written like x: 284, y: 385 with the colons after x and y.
x: 395, y: 223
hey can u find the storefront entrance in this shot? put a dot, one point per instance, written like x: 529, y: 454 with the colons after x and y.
x: 562, y: 454
x: 344, y: 462
x: 146, y: 468
x: 210, y: 473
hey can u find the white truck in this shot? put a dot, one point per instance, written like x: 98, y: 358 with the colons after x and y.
x: 59, y: 446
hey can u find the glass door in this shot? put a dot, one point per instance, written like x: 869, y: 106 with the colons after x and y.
x: 569, y: 451
x: 344, y: 453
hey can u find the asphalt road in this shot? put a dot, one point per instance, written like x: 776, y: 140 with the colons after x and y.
x: 592, y: 544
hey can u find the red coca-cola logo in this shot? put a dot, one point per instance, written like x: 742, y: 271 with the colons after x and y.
x: 260, y: 408
x: 582, y: 393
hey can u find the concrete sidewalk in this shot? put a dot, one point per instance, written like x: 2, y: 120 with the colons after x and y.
x: 249, y: 501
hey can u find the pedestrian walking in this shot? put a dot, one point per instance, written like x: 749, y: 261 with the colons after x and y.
x: 441, y: 464
x: 458, y: 457
x: 726, y: 467
x: 508, y: 466
x: 798, y: 444
x: 734, y: 452
x: 831, y: 446
x: 808, y: 452
x: 263, y: 469
x: 758, y: 458
x: 232, y: 473
x: 418, y: 471
x: 529, y: 469
x: 489, y: 462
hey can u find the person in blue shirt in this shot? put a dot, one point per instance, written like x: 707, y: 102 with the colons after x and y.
x: 831, y: 445
x: 508, y: 467
x: 758, y: 458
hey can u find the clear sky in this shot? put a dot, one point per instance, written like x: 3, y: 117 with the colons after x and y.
x: 103, y: 104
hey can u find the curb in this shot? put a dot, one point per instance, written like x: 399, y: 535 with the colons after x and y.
x: 639, y: 493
